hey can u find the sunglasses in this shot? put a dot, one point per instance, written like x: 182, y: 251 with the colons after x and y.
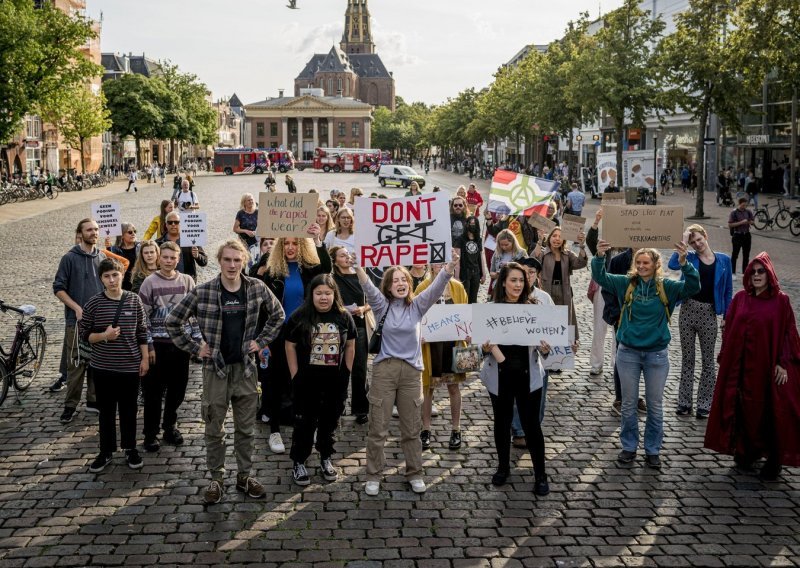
x: 131, y: 232
x: 457, y: 206
x: 759, y: 271
x: 173, y: 222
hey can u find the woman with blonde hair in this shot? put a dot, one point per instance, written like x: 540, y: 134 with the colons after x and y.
x: 413, y: 189
x: 342, y: 235
x: 292, y: 264
x: 146, y: 263
x: 324, y: 219
x: 507, y: 250
x: 246, y: 221
x: 354, y: 192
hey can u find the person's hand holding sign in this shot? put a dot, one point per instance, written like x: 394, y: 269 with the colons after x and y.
x: 603, y: 247
x: 681, y: 247
x: 314, y: 230
x: 451, y: 266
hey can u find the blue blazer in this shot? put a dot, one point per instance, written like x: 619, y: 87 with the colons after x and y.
x: 723, y: 278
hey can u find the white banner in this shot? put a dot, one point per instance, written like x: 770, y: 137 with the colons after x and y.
x: 403, y: 231
x: 107, y: 216
x: 447, y: 322
x: 561, y: 356
x: 519, y: 324
x: 194, y: 229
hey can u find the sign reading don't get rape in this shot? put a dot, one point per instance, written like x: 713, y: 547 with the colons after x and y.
x: 403, y: 231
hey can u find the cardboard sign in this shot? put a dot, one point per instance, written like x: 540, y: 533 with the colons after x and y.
x: 541, y: 224
x: 447, y: 322
x: 639, y: 226
x: 612, y: 198
x: 561, y: 356
x: 286, y: 214
x: 403, y: 231
x: 519, y: 324
x: 107, y: 216
x: 194, y: 229
x: 571, y: 225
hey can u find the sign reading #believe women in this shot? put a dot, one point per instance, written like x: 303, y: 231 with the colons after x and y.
x: 403, y: 231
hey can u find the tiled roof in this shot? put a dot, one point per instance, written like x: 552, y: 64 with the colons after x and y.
x: 340, y: 102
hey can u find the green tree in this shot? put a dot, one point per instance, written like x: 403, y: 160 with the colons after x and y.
x: 616, y: 70
x: 82, y: 116
x: 39, y: 58
x: 709, y: 72
x: 133, y: 101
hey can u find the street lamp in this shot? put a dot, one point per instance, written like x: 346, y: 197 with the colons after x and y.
x: 655, y: 158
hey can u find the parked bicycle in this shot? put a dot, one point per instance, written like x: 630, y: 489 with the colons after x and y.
x: 20, y: 365
x: 764, y: 219
x: 794, y: 226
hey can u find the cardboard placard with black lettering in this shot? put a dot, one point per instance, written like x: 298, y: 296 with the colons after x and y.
x: 571, y: 226
x: 108, y: 218
x: 542, y: 224
x: 286, y: 214
x: 639, y: 226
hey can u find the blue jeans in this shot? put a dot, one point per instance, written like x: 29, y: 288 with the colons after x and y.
x: 631, y: 363
x: 516, y: 423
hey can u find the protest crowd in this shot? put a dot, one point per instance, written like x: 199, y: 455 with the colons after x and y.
x: 377, y: 306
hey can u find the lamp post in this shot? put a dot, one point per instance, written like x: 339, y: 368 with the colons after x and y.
x: 656, y: 132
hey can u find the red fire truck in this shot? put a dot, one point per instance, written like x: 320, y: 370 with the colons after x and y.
x: 240, y: 160
x: 347, y: 159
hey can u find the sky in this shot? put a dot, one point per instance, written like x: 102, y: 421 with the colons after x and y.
x: 436, y: 48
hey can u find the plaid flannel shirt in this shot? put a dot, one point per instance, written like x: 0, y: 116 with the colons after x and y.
x: 205, y: 304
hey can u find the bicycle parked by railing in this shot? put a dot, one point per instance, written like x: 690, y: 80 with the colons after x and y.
x: 764, y: 219
x: 22, y: 362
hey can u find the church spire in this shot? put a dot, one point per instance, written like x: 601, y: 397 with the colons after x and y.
x: 357, y: 37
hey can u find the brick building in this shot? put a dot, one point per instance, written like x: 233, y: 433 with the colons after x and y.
x: 353, y: 69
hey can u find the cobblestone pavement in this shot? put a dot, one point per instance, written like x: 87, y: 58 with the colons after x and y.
x: 697, y: 511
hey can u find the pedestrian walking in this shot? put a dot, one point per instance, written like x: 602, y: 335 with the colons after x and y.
x: 739, y: 221
x: 246, y: 222
x: 290, y: 185
x: 132, y: 177
x: 238, y: 317
x: 127, y: 247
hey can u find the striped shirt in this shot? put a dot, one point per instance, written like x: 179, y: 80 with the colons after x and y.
x: 124, y: 354
x: 159, y: 295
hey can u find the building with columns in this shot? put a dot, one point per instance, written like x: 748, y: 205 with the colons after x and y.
x: 308, y: 121
x: 353, y: 69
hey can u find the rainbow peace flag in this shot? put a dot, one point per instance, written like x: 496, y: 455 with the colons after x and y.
x: 517, y: 194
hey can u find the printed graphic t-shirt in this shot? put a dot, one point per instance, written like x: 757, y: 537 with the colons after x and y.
x: 234, y: 312
x: 323, y: 351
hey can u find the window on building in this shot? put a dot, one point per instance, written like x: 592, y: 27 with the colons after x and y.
x: 259, y: 129
x: 308, y: 129
x: 273, y: 128
x: 339, y: 88
x: 356, y: 129
x: 273, y: 144
x: 260, y: 144
x: 323, y: 129
x: 342, y: 127
x: 330, y: 86
x: 33, y: 127
x: 293, y: 128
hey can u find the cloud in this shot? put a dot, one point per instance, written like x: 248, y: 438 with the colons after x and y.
x: 483, y: 26
x: 319, y: 39
x: 392, y: 46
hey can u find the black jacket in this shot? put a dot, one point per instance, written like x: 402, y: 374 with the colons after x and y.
x: 618, y: 264
x: 307, y: 273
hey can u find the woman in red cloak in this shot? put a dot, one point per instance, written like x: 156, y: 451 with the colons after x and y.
x: 756, y: 407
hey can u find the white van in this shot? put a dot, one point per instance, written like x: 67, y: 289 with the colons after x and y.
x: 391, y: 174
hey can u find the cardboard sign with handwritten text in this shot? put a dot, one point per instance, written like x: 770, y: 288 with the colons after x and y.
x: 542, y: 224
x: 638, y: 226
x: 286, y: 214
x: 571, y: 225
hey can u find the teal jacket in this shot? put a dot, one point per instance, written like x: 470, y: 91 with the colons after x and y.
x: 645, y: 326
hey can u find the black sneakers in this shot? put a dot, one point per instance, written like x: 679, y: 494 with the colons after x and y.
x: 172, y: 436
x: 329, y: 473
x: 455, y: 440
x: 425, y: 438
x: 625, y: 457
x: 540, y: 486
x: 67, y: 415
x: 133, y: 458
x: 100, y: 463
x: 300, y: 474
x: 59, y: 385
x: 151, y: 446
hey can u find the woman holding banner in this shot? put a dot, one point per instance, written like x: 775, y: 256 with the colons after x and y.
x: 647, y: 300
x: 397, y: 368
x: 514, y: 373
x: 292, y: 264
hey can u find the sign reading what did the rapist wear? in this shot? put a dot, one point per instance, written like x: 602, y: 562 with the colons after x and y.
x: 403, y: 231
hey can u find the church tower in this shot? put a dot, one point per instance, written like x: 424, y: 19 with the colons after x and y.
x: 357, y: 37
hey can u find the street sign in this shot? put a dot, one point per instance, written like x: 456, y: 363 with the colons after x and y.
x: 709, y: 141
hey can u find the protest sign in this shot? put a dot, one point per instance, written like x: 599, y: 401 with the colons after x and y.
x: 403, y: 231
x: 447, y: 322
x: 541, y: 224
x: 107, y: 216
x: 517, y: 194
x: 612, y: 198
x: 571, y: 225
x: 561, y: 356
x: 519, y: 324
x: 194, y: 229
x: 638, y: 226
x: 286, y: 214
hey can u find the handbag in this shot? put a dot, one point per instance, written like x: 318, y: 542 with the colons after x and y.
x: 593, y: 288
x: 84, y: 348
x: 375, y: 340
x: 467, y: 359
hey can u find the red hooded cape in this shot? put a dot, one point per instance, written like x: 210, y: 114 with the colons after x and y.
x: 760, y: 332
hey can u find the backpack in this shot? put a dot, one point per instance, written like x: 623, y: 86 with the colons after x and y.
x: 628, y: 301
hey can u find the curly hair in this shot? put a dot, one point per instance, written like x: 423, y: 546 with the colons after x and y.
x: 278, y: 266
x: 655, y: 256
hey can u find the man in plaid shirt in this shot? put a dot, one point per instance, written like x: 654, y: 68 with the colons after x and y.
x: 229, y: 309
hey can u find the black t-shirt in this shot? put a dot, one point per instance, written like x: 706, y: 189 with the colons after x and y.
x: 517, y: 358
x: 458, y: 225
x: 352, y: 293
x: 707, y: 276
x: 557, y: 272
x: 234, y: 313
x: 322, y: 353
x: 471, y: 257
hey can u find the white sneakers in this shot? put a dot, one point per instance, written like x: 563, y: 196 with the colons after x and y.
x: 372, y: 488
x: 276, y: 443
x: 417, y: 486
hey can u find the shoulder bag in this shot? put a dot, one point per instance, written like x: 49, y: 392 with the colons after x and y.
x: 84, y: 348
x: 375, y: 341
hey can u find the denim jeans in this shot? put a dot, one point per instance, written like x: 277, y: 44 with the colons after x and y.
x: 516, y: 423
x: 631, y: 363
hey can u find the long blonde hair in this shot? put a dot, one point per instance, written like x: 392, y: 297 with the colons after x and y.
x: 508, y: 235
x: 140, y: 266
x: 277, y: 265
x: 655, y: 256
x: 329, y: 225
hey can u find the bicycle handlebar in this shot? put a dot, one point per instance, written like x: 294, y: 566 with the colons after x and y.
x: 25, y: 310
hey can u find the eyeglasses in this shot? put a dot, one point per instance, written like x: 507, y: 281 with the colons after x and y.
x: 173, y: 222
x: 759, y: 271
x: 131, y: 232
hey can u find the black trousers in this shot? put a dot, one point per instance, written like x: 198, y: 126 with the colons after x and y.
x: 741, y: 242
x: 515, y: 386
x: 358, y: 377
x: 277, y: 383
x: 169, y: 375
x: 116, y: 391
x: 318, y: 404
x: 472, y: 283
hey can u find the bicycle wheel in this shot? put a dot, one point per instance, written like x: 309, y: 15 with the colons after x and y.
x: 30, y: 357
x: 761, y: 220
x: 4, y: 382
x: 794, y: 227
x: 783, y: 218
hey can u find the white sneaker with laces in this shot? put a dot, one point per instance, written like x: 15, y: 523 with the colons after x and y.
x: 372, y: 488
x: 418, y: 486
x: 395, y: 413
x: 434, y: 409
x: 276, y: 443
